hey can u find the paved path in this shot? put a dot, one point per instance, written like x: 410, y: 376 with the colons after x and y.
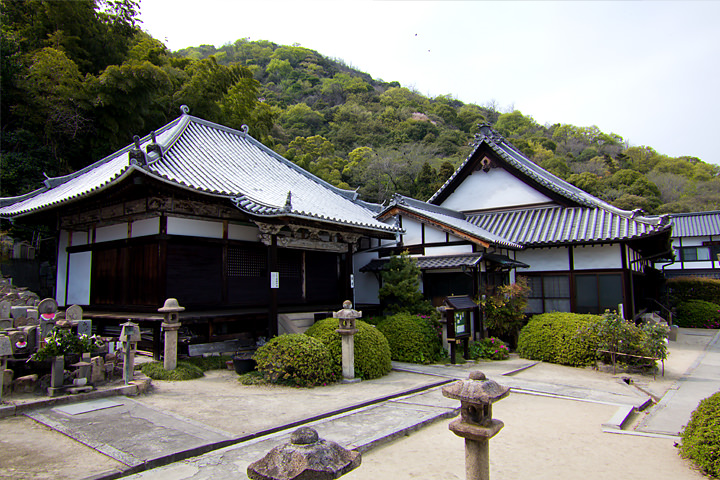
x: 700, y: 381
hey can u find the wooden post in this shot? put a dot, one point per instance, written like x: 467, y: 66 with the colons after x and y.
x: 273, y: 310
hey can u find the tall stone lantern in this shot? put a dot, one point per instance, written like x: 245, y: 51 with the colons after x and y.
x: 347, y: 331
x: 171, y: 310
x: 476, y: 425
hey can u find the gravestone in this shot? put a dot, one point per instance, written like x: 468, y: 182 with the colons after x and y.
x: 18, y: 311
x: 4, y: 309
x: 84, y: 327
x: 48, y: 305
x: 5, y: 323
x: 74, y: 313
x: 97, y: 373
x: 5, y: 347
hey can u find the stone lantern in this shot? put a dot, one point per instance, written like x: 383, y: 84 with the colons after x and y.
x: 347, y: 331
x: 171, y: 309
x: 129, y: 336
x: 476, y: 424
x: 306, y: 457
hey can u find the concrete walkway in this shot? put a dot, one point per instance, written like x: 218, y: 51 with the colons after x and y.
x: 700, y: 381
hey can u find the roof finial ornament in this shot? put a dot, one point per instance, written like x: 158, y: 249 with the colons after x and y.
x: 137, y: 156
x: 184, y: 109
x: 154, y: 146
x: 288, y: 202
x: 486, y: 132
x: 244, y: 129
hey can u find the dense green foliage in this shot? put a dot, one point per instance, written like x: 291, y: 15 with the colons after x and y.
x: 490, y: 348
x: 559, y: 338
x: 505, y: 309
x: 697, y: 314
x: 400, y: 290
x: 372, y: 352
x: 616, y: 335
x: 62, y: 342
x: 80, y: 78
x: 412, y: 338
x: 701, y: 436
x: 683, y: 289
x: 183, y: 371
x: 296, y: 359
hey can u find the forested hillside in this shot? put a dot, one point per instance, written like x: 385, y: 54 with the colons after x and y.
x: 78, y: 83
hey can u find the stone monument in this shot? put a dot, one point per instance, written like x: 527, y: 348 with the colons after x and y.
x: 347, y: 331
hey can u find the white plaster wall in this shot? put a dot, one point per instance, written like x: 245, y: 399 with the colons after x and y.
x: 79, y: 238
x: 594, y: 257
x: 366, y: 284
x: 434, y: 235
x: 145, y: 227
x: 449, y: 250
x: 544, y: 259
x: 194, y: 228
x: 691, y: 241
x: 243, y: 232
x: 62, y: 263
x: 79, y: 272
x: 111, y: 232
x: 413, y: 231
x: 495, y: 189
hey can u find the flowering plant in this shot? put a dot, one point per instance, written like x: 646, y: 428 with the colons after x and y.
x: 63, y: 342
x: 489, y: 348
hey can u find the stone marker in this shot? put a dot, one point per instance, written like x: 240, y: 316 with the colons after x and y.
x: 5, y: 309
x: 97, y: 370
x: 129, y: 336
x: 476, y: 424
x: 5, y: 323
x: 18, y: 311
x: 5, y: 352
x: 26, y: 384
x: 57, y: 375
x: 306, y: 457
x: 84, y: 327
x: 48, y: 305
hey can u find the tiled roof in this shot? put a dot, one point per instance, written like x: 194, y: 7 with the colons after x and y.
x: 698, y: 224
x: 216, y: 160
x: 451, y: 219
x: 554, y: 225
x: 441, y: 262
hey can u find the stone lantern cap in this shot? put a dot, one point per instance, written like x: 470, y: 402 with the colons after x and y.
x: 306, y: 457
x: 171, y: 306
x: 347, y: 311
x: 477, y: 390
x: 130, y: 332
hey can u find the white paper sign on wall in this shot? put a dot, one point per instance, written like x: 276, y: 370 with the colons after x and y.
x: 274, y: 279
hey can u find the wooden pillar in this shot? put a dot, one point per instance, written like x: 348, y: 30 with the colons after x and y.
x: 272, y: 267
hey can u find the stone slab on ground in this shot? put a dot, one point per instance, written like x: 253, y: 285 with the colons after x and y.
x: 129, y: 432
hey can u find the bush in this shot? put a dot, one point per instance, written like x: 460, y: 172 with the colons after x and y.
x: 683, y: 289
x: 489, y: 348
x: 698, y: 314
x: 297, y: 360
x: 183, y: 371
x: 505, y: 311
x: 617, y: 335
x: 701, y: 436
x: 212, y: 362
x: 412, y: 338
x: 400, y: 290
x: 372, y: 352
x: 558, y: 338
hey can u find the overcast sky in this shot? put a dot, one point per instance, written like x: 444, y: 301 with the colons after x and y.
x: 648, y: 71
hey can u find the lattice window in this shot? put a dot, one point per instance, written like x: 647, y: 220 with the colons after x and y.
x: 246, y: 263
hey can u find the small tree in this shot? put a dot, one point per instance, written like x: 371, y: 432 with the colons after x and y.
x: 505, y: 311
x: 400, y: 291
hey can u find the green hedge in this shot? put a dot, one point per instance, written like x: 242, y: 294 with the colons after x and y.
x: 701, y: 436
x: 296, y: 359
x: 557, y: 338
x: 697, y: 314
x: 683, y: 289
x: 490, y: 349
x: 412, y: 338
x: 372, y: 352
x: 183, y: 371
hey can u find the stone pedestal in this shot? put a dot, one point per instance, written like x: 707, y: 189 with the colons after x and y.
x: 57, y: 376
x: 347, y: 331
x: 171, y: 344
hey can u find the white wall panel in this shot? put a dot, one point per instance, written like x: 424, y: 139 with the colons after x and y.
x: 243, y: 232
x: 62, y: 264
x: 434, y: 235
x: 494, y: 189
x: 449, y: 250
x: 111, y: 232
x: 189, y: 227
x: 544, y: 259
x: 593, y: 257
x: 366, y: 284
x: 145, y: 227
x: 79, y: 238
x: 79, y: 272
x: 413, y: 231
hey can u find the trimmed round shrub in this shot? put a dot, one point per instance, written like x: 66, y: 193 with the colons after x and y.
x: 183, y: 371
x: 697, y: 314
x: 563, y: 338
x: 297, y: 360
x: 489, y: 349
x: 412, y: 338
x: 372, y: 352
x: 701, y: 436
